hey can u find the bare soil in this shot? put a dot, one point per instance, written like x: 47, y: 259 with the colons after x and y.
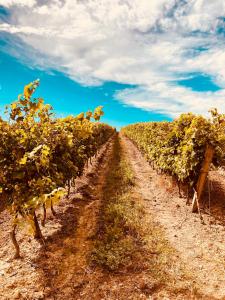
x: 200, y: 245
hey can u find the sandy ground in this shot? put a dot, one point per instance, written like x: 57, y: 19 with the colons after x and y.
x: 200, y: 246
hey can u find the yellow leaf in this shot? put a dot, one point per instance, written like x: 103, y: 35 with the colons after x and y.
x: 45, y: 150
x: 13, y: 105
x: 28, y: 91
x: 23, y: 160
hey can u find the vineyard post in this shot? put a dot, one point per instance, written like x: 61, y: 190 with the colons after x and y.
x: 202, y: 177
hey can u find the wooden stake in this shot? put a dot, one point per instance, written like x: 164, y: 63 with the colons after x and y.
x: 202, y: 177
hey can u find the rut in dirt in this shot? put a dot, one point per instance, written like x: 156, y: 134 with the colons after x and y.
x: 200, y: 247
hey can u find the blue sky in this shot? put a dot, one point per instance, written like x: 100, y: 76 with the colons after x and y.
x: 66, y: 96
x: 142, y: 60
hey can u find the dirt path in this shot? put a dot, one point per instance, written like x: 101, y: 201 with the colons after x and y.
x: 58, y: 270
x: 200, y: 247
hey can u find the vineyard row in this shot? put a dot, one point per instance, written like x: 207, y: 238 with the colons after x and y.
x: 41, y: 154
x: 178, y: 148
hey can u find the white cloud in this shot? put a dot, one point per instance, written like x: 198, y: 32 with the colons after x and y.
x: 151, y: 44
x: 9, y: 3
x: 161, y: 99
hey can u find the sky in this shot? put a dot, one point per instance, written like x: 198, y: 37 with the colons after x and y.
x: 143, y: 60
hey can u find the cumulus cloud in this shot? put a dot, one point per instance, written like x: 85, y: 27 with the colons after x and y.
x: 9, y: 3
x: 162, y: 100
x: 151, y: 44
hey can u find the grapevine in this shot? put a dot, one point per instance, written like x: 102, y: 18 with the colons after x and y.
x: 40, y: 155
x: 177, y: 148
